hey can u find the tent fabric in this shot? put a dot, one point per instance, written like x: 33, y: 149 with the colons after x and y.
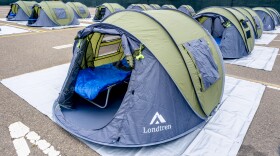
x: 266, y: 17
x: 168, y: 6
x: 163, y: 101
x: 91, y: 81
x: 105, y: 10
x: 80, y: 10
x: 140, y: 7
x: 187, y: 9
x: 254, y: 20
x: 275, y: 15
x: 52, y: 13
x: 232, y: 24
x: 155, y: 6
x: 20, y: 10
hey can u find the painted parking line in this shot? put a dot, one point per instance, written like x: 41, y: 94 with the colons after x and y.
x: 20, y: 132
x: 269, y: 85
x: 63, y: 46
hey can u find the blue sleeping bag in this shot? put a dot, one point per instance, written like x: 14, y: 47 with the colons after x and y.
x: 91, y: 81
x: 218, y: 40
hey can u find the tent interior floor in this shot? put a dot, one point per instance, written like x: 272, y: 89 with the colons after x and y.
x: 85, y: 112
x: 34, y: 51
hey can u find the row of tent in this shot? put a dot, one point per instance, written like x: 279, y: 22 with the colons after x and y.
x: 48, y: 13
x: 106, y: 9
x: 141, y: 78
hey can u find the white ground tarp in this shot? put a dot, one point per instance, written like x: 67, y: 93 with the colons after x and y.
x: 260, y: 58
x: 276, y: 31
x: 222, y: 135
x: 86, y: 20
x: 68, y: 26
x: 7, y: 30
x: 17, y: 22
x: 265, y: 39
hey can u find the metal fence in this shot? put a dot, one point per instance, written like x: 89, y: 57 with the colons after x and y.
x: 196, y: 4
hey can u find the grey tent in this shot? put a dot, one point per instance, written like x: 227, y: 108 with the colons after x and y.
x: 140, y: 7
x: 266, y: 17
x: 51, y: 14
x: 104, y: 10
x: 20, y: 10
x: 131, y: 85
x: 275, y: 15
x: 187, y: 9
x: 231, y: 30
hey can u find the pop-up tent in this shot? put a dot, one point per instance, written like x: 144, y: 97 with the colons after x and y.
x: 187, y: 9
x: 275, y: 15
x: 266, y: 17
x: 20, y: 10
x: 80, y: 10
x: 51, y: 14
x: 231, y: 30
x: 140, y: 7
x: 106, y: 9
x: 155, y: 6
x: 130, y: 85
x: 254, y: 20
x: 168, y: 6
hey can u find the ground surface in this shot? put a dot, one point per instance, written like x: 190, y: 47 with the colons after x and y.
x: 33, y: 51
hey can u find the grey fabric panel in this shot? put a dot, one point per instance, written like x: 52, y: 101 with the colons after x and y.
x: 20, y: 16
x: 75, y: 21
x: 232, y: 44
x: 128, y: 45
x: 82, y: 10
x: 258, y: 22
x: 184, y: 10
x: 135, y: 8
x: 268, y: 23
x: 207, y: 25
x: 43, y: 21
x: 202, y: 56
x: 218, y: 28
x: 60, y: 13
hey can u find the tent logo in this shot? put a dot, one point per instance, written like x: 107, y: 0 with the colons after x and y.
x: 157, y: 119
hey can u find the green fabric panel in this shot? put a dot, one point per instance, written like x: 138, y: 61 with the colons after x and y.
x: 25, y: 6
x: 234, y: 18
x: 75, y: 6
x: 181, y: 33
x: 162, y: 47
x: 48, y: 7
x: 143, y: 6
x: 264, y: 9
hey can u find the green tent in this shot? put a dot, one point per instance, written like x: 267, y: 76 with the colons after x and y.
x: 231, y: 30
x: 105, y: 10
x: 187, y: 9
x: 155, y: 6
x: 140, y: 7
x: 80, y: 10
x: 254, y: 20
x: 172, y: 83
x: 266, y: 17
x: 20, y: 10
x: 51, y: 14
x: 168, y: 6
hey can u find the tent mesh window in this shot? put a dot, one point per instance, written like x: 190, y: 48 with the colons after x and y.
x: 60, y: 13
x: 82, y: 10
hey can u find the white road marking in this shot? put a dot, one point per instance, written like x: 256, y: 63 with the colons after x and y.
x: 63, y: 46
x: 19, y: 132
